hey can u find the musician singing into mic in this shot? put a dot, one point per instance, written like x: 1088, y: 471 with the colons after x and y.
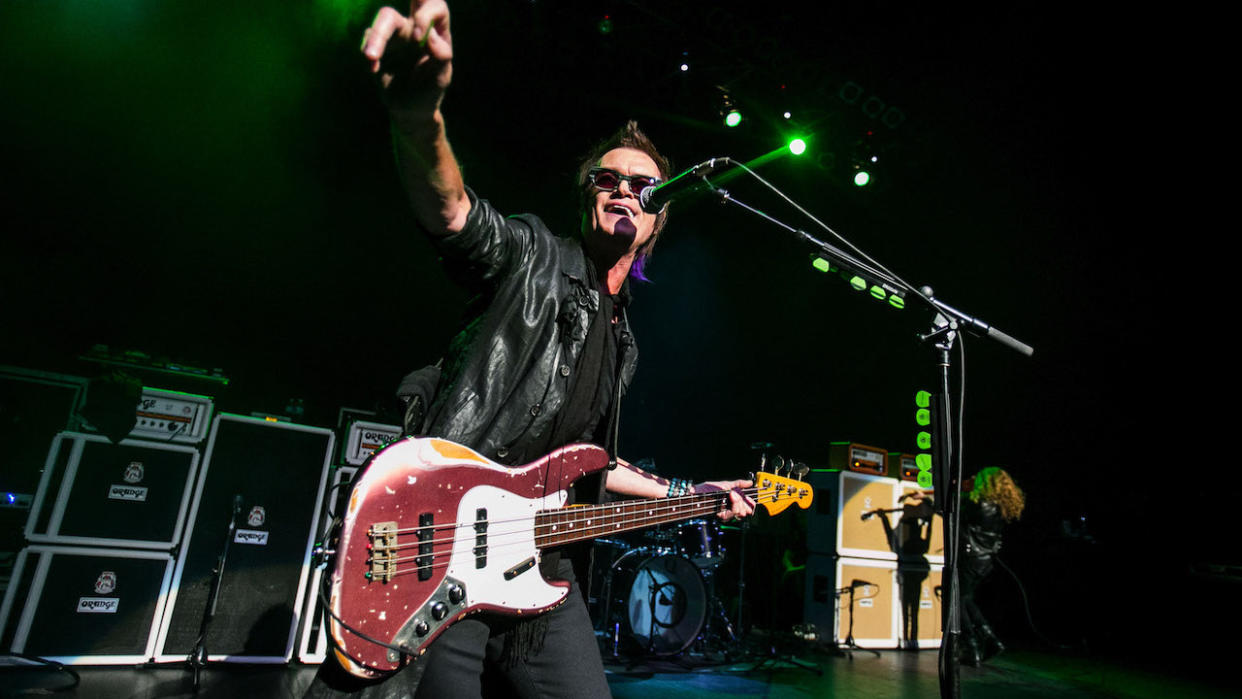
x: 537, y: 368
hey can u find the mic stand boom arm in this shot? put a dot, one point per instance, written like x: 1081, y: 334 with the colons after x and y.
x: 842, y: 261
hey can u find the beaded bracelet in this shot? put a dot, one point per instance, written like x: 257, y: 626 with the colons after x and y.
x: 678, y: 487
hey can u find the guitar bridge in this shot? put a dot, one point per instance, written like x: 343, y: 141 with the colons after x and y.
x: 383, y: 560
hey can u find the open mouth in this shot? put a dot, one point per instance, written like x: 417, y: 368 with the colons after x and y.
x: 619, y: 209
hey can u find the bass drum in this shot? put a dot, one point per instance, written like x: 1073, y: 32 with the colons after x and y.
x: 665, y: 602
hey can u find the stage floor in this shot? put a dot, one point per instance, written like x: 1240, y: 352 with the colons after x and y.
x: 893, y: 674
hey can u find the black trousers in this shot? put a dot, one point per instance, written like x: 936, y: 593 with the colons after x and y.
x: 467, y: 660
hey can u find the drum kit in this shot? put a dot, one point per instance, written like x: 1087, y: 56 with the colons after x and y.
x: 658, y: 595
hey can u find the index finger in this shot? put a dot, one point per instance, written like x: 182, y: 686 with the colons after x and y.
x: 375, y: 40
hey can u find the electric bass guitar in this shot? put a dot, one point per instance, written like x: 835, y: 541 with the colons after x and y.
x: 434, y: 532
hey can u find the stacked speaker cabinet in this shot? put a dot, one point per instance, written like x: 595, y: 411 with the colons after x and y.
x: 34, y: 407
x: 872, y: 571
x: 86, y: 606
x: 358, y: 440
x: 919, y: 611
x: 131, y: 494
x: 313, y: 647
x: 259, y: 494
x: 842, y: 498
x: 105, y: 516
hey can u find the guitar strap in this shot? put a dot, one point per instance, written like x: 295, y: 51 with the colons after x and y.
x: 614, y: 418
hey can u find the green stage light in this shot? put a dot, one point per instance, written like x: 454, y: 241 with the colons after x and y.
x: 923, y: 418
x: 797, y: 146
x: 862, y: 178
x: 733, y: 118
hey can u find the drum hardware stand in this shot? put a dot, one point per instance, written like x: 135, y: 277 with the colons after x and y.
x: 197, y: 660
x: 614, y: 631
x: 776, y: 657
x: 717, y: 619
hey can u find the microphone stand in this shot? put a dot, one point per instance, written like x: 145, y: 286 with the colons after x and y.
x: 197, y: 659
x: 850, y: 643
x: 946, y: 324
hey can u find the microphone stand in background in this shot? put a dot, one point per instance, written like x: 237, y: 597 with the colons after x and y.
x: 197, y: 659
x: 946, y: 324
x: 849, y: 643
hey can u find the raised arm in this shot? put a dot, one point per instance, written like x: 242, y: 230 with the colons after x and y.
x: 413, y: 57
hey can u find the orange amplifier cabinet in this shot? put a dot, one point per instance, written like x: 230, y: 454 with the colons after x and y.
x: 919, y: 539
x: 903, y: 466
x: 861, y: 458
x: 918, y: 605
x: 835, y: 523
x: 854, y: 597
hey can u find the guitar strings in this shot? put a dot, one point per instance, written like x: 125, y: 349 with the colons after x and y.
x: 470, y: 550
x: 662, y: 507
x: 647, y: 517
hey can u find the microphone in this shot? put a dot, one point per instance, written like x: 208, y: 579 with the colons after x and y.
x: 868, y: 515
x: 860, y: 583
x: 653, y: 199
x: 237, y: 504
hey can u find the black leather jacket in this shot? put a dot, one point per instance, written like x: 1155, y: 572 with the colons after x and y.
x: 507, y: 373
x: 982, y: 526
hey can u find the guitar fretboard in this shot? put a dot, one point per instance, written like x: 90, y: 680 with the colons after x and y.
x: 579, y: 523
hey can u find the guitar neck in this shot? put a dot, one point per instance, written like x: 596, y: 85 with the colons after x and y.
x: 580, y: 523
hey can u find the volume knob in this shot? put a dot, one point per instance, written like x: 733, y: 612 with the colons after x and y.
x: 456, y: 594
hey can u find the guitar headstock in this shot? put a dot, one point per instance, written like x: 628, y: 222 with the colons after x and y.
x: 778, y: 492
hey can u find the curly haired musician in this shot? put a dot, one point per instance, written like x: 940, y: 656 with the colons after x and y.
x: 993, y: 501
x: 537, y: 369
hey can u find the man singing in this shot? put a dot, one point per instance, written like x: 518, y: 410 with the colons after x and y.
x: 541, y: 366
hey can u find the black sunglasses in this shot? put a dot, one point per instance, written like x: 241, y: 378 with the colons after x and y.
x: 609, y: 180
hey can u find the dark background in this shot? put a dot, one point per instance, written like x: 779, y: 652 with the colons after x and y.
x: 212, y: 184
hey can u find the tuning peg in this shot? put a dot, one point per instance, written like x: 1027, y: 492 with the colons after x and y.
x: 778, y: 462
x: 802, y: 470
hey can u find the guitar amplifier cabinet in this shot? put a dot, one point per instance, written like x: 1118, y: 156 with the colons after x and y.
x: 858, y: 457
x: 853, y: 596
x: 85, y: 606
x: 918, y: 604
x: 169, y: 416
x: 268, y: 479
x: 313, y: 646
x: 34, y: 407
x: 94, y: 492
x: 903, y: 466
x: 921, y: 542
x: 365, y: 438
x: 834, y: 522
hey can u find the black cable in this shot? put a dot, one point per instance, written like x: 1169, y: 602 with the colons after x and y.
x: 324, y: 583
x: 42, y: 664
x: 1026, y: 605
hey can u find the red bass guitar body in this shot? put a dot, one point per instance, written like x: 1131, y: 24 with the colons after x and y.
x: 434, y: 532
